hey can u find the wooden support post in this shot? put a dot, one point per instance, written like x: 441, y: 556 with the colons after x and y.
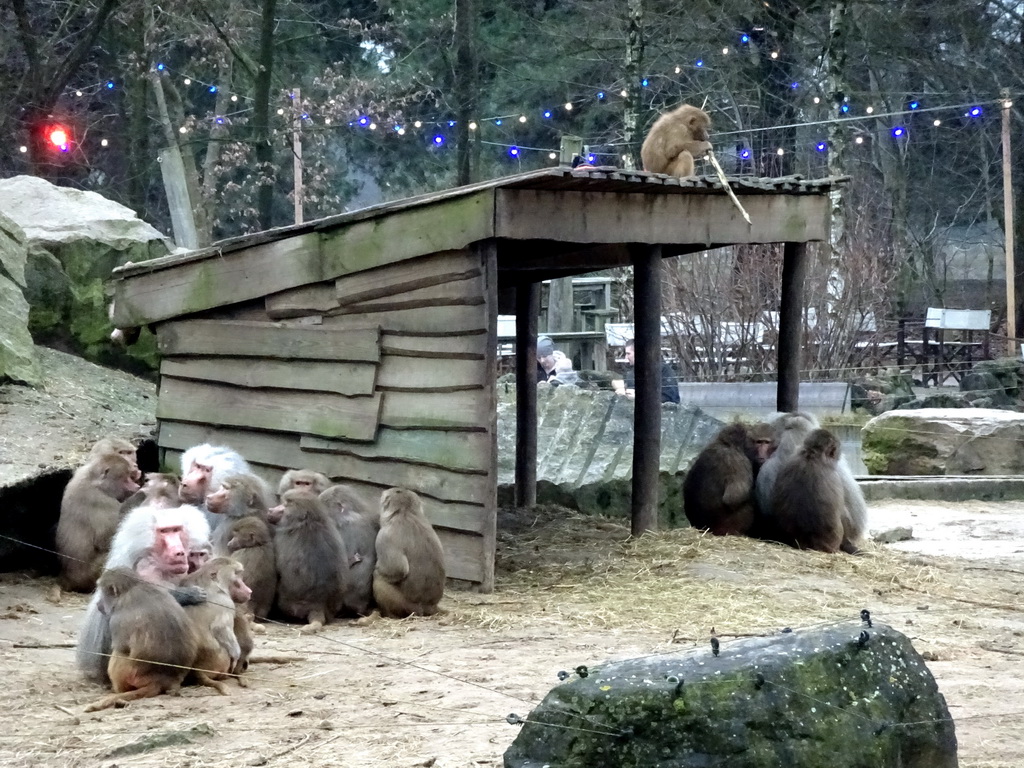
x: 527, y: 309
x: 791, y: 321
x: 1008, y: 232
x: 647, y: 406
x: 297, y: 153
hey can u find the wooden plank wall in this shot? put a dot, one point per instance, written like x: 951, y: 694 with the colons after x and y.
x: 377, y: 379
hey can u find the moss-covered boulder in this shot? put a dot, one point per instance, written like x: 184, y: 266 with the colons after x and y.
x: 18, y: 361
x: 936, y: 441
x: 823, y: 697
x: 585, y: 450
x: 74, y: 240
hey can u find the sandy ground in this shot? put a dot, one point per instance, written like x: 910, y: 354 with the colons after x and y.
x: 571, y: 590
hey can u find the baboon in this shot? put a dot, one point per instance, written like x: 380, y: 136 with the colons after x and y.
x: 675, y: 139
x: 409, y: 575
x: 238, y: 496
x: 762, y: 438
x: 789, y: 431
x: 89, y: 515
x: 152, y: 641
x: 304, y: 479
x: 214, y: 620
x: 160, y: 489
x: 158, y: 541
x: 243, y: 633
x: 358, y: 528
x: 252, y: 545
x: 312, y: 561
x: 807, y: 499
x: 203, y: 469
x: 719, y: 486
x: 116, y: 446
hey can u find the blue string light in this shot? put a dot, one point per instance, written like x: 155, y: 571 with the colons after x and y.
x: 914, y: 104
x: 794, y: 86
x: 600, y: 95
x: 975, y: 112
x: 212, y: 89
x: 821, y: 146
x: 364, y: 120
x: 898, y: 131
x: 547, y: 113
x: 745, y: 154
x: 110, y: 85
x: 644, y: 82
x: 513, y: 151
x: 700, y: 62
x: 844, y: 108
x: 498, y: 121
x: 744, y: 39
x: 438, y: 140
x: 160, y: 67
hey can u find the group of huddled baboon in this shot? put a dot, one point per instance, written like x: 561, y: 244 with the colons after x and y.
x: 180, y: 567
x: 783, y: 481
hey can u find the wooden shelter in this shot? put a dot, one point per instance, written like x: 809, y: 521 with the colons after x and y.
x: 363, y: 345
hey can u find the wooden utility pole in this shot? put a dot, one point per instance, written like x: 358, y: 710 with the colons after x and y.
x: 297, y: 152
x: 791, y: 325
x: 527, y: 309
x: 1008, y: 231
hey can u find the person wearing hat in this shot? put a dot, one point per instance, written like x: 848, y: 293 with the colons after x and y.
x: 552, y: 365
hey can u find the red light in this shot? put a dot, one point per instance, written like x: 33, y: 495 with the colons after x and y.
x: 59, y: 138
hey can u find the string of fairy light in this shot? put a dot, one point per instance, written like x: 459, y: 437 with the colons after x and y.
x: 433, y: 128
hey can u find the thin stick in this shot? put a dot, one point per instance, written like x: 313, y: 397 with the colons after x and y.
x: 725, y: 183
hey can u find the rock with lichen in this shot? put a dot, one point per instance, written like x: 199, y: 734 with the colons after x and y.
x: 828, y: 696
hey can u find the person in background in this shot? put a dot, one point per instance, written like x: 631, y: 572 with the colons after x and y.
x: 553, y: 366
x: 626, y: 385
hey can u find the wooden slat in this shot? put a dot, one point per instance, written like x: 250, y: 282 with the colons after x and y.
x: 427, y: 374
x: 316, y: 413
x: 269, y: 340
x: 710, y: 219
x: 465, y: 347
x: 430, y: 321
x: 458, y: 451
x: 469, y: 291
x: 344, y: 378
x: 282, y: 452
x: 217, y: 280
x: 447, y: 225
x: 307, y: 300
x: 435, y: 269
x: 489, y: 256
x: 454, y: 410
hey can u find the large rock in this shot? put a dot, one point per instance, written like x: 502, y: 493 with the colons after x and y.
x: 17, y: 353
x: 585, y: 450
x: 801, y: 700
x: 74, y: 240
x: 936, y: 441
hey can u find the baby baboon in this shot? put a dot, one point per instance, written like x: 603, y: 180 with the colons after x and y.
x: 312, y: 561
x: 358, y: 528
x: 719, y: 487
x: 153, y: 643
x: 89, y: 515
x: 675, y: 139
x: 214, y: 620
x: 807, y: 500
x: 409, y: 575
x: 252, y: 545
x: 243, y: 633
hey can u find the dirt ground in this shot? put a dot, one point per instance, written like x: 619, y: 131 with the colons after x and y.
x: 570, y: 590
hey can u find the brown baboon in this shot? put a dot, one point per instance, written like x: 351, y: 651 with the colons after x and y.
x: 218, y: 651
x: 807, y: 500
x: 89, y: 515
x: 252, y: 544
x: 239, y: 495
x: 153, y: 643
x: 305, y: 480
x: 160, y: 489
x: 718, y: 491
x: 312, y: 561
x: 358, y: 528
x: 116, y: 446
x: 409, y: 575
x: 675, y: 139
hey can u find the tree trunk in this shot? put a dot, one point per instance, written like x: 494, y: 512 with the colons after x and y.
x: 465, y: 86
x: 261, y: 135
x: 634, y: 67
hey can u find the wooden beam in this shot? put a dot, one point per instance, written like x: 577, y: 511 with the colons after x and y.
x: 464, y: 409
x: 457, y: 451
x: 488, y: 252
x: 246, y: 338
x: 608, y: 217
x: 314, y: 413
x: 647, y: 409
x: 527, y: 309
x: 411, y: 275
x: 344, y: 378
x: 441, y: 320
x: 791, y: 325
